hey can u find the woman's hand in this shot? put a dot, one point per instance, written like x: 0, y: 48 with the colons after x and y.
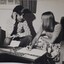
x: 29, y: 48
x: 14, y: 36
x: 21, y: 34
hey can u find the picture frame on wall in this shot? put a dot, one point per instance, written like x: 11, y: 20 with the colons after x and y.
x: 2, y: 1
x: 9, y: 2
x: 17, y: 1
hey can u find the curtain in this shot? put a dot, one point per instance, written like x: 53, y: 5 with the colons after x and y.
x: 30, y: 4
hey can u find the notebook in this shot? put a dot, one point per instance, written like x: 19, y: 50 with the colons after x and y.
x: 14, y: 43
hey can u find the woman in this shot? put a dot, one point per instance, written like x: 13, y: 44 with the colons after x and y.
x: 49, y: 32
x: 49, y: 28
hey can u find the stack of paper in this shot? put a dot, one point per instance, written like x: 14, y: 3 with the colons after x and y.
x: 29, y: 56
x: 35, y: 52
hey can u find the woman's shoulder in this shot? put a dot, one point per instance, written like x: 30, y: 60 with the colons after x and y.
x: 58, y: 26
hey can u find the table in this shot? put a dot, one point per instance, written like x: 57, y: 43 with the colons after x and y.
x: 20, y: 56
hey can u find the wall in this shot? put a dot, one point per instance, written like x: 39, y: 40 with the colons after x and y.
x: 56, y: 6
x: 5, y: 18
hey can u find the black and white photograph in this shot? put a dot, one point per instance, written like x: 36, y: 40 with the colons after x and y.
x: 32, y: 31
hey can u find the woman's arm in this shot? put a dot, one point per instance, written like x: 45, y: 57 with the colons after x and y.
x: 37, y: 36
x: 55, y: 34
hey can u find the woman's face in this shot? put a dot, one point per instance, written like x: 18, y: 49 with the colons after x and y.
x: 46, y: 18
x: 19, y: 17
x: 47, y: 22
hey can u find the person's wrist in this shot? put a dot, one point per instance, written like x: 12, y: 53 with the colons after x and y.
x: 29, y: 47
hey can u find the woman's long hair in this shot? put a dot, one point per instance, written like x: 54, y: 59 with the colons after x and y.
x: 49, y: 26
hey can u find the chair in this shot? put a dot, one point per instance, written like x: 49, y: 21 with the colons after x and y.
x: 62, y: 24
x: 62, y: 42
x: 29, y: 17
x: 2, y: 36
